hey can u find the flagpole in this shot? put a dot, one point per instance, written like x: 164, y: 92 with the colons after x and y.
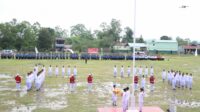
x: 133, y: 61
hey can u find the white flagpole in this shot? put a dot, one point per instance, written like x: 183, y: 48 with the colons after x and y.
x: 134, y: 36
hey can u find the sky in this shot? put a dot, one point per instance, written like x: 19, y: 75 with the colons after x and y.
x: 154, y: 18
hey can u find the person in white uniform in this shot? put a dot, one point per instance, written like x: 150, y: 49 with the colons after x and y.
x: 114, y: 96
x: 174, y: 82
x: 182, y: 81
x: 164, y: 75
x: 151, y: 70
x: 122, y: 71
x: 168, y: 77
x: 63, y: 71
x: 146, y: 71
x: 140, y: 71
x: 134, y: 70
x: 190, y: 81
x: 124, y: 102
x: 50, y: 70
x: 75, y: 71
x: 129, y: 71
x: 186, y: 80
x: 56, y: 71
x: 68, y: 70
x: 143, y: 82
x: 115, y: 71
x: 141, y: 99
x: 127, y: 97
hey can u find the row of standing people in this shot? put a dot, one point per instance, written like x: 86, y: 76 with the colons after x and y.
x: 56, y: 71
x: 33, y: 76
x: 177, y: 79
x: 135, y: 70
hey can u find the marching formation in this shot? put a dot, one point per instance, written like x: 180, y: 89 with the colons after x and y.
x: 38, y: 77
x: 139, y: 74
x: 178, y: 79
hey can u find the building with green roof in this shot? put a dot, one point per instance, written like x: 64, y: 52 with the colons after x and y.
x: 162, y: 46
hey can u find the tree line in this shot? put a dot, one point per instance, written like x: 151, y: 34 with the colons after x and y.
x: 24, y: 36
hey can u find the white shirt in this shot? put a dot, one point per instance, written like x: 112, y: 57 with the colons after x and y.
x: 56, y: 70
x: 75, y: 71
x: 186, y: 78
x: 127, y: 96
x: 151, y: 71
x: 129, y: 70
x: 63, y: 69
x: 143, y: 82
x: 140, y: 70
x: 50, y: 69
x: 168, y: 75
x: 115, y: 69
x: 164, y: 74
x: 146, y: 71
x: 141, y: 97
x: 68, y: 71
x: 190, y: 79
x: 122, y: 69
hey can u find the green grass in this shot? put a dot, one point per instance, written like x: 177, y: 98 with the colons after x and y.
x: 81, y: 100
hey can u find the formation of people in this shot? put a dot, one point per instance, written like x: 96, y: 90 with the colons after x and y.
x: 38, y: 77
x: 63, y: 69
x: 139, y: 73
x: 177, y: 79
x: 140, y: 77
x: 136, y: 70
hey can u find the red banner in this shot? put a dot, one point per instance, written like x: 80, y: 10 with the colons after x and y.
x: 93, y: 50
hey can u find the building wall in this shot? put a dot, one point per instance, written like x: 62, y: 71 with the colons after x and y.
x: 163, y: 46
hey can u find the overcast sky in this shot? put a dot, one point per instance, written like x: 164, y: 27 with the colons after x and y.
x: 154, y: 18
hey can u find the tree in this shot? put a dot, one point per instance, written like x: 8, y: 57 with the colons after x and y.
x: 46, y: 39
x: 109, y: 34
x: 181, y: 41
x: 165, y: 38
x: 115, y: 29
x: 60, y: 33
x: 80, y: 30
x: 128, y: 37
x: 139, y: 40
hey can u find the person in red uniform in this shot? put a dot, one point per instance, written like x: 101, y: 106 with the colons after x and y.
x: 136, y: 82
x: 89, y: 80
x: 152, y: 81
x: 18, y: 81
x: 72, y: 83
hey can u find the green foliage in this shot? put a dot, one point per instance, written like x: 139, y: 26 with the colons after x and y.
x: 46, y: 39
x: 181, y: 41
x: 24, y: 36
x: 165, y: 38
x: 128, y: 37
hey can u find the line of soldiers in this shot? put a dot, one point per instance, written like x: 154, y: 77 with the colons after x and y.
x: 63, y: 70
x: 178, y: 79
x: 39, y: 77
x: 135, y: 70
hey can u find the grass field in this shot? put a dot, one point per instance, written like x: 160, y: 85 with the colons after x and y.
x: 55, y: 96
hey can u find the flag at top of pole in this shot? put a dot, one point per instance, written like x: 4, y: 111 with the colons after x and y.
x: 196, y: 54
x: 36, y: 50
